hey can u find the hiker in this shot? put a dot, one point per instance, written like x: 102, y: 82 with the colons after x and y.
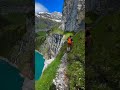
x: 70, y: 43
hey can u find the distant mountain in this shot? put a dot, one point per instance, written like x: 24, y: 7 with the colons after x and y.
x: 55, y: 16
x: 44, y: 21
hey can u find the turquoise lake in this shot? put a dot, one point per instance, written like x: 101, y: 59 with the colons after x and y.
x: 10, y: 78
x: 39, y: 64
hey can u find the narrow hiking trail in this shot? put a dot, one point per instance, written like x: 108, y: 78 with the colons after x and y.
x: 61, y: 80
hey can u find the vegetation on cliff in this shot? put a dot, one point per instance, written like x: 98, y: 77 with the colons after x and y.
x: 44, y: 24
x: 102, y: 61
x: 40, y: 38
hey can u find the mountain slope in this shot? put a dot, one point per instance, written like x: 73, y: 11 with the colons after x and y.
x: 45, y: 21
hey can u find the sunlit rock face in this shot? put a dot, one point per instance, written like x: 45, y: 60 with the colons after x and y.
x: 73, y: 15
x: 51, y: 46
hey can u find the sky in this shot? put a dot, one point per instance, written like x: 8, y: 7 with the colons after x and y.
x: 48, y: 5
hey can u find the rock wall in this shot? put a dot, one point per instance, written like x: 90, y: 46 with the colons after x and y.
x: 73, y: 14
x: 51, y: 46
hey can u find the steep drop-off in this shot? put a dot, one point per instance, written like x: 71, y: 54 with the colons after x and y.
x: 51, y: 46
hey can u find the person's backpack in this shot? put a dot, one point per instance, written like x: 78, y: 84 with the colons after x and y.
x: 69, y: 40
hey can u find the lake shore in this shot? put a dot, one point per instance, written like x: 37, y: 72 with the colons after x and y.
x: 6, y: 60
x: 47, y: 62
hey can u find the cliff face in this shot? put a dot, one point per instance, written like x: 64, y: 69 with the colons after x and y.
x: 17, y: 35
x: 22, y: 54
x: 51, y: 46
x: 73, y: 14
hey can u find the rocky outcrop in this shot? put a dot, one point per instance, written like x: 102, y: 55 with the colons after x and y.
x: 73, y: 14
x: 51, y: 46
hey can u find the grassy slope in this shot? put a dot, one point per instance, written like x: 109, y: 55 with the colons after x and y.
x: 45, y: 82
x: 105, y: 54
x: 67, y: 34
x: 42, y: 23
x: 76, y: 60
x: 56, y: 30
x: 40, y: 38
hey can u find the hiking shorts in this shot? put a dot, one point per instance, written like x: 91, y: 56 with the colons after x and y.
x: 69, y: 44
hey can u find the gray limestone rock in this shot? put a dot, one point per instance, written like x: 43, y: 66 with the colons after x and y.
x: 73, y: 14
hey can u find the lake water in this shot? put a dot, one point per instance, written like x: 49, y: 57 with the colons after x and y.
x: 10, y: 78
x: 39, y: 64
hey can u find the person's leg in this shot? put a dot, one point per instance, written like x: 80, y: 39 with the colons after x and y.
x: 68, y: 48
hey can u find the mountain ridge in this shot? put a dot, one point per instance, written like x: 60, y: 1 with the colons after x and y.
x: 54, y: 16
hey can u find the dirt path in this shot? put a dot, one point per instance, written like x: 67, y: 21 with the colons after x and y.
x: 61, y: 80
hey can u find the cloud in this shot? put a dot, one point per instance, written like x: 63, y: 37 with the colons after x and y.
x: 40, y: 8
